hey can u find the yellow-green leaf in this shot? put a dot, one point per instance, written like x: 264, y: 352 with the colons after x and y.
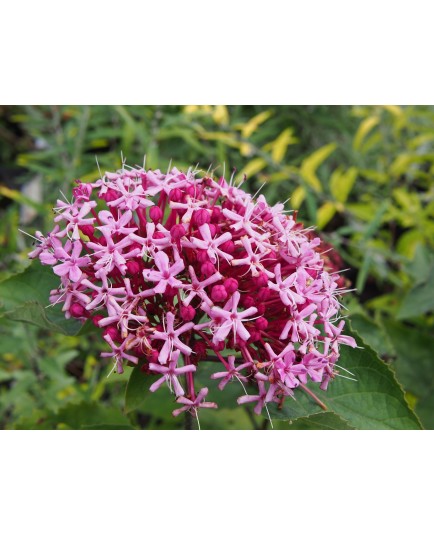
x: 364, y: 129
x: 281, y: 143
x: 249, y: 128
x: 325, y: 214
x: 221, y: 115
x: 401, y: 164
x: 342, y: 182
x: 253, y: 167
x: 311, y: 164
x: 298, y: 196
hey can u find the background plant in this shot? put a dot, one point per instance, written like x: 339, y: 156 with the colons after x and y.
x: 363, y: 175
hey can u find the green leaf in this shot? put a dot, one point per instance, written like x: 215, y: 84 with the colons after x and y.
x: 341, y: 183
x: 415, y: 366
x: 281, y: 143
x: 325, y: 214
x: 311, y: 164
x: 365, y: 127
x: 374, y: 401
x: 138, y: 389
x: 24, y: 297
x: 419, y: 300
x: 372, y: 333
x: 321, y: 421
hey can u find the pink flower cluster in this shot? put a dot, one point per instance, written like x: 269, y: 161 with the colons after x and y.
x: 177, y: 270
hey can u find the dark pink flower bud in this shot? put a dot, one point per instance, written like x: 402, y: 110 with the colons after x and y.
x: 192, y: 191
x: 158, y: 234
x: 220, y: 346
x: 177, y: 231
x: 156, y: 214
x: 77, y: 310
x: 96, y: 319
x: 216, y: 215
x: 171, y: 292
x: 248, y: 301
x: 261, y: 323
x: 207, y: 269
x: 263, y: 294
x: 231, y: 285
x: 201, y: 216
x: 110, y: 195
x: 261, y: 280
x: 175, y: 195
x: 82, y: 191
x: 187, y: 313
x: 213, y: 229
x: 133, y: 267
x: 87, y: 230
x: 202, y: 255
x: 113, y: 333
x: 254, y: 335
x: 228, y: 247
x: 219, y: 293
x: 261, y: 308
x: 199, y: 348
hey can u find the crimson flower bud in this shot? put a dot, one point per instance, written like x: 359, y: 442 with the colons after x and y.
x: 187, y: 313
x: 133, y: 267
x: 228, y: 247
x: 175, y: 195
x: 207, y: 269
x: 231, y: 285
x: 77, y: 310
x: 177, y: 231
x: 156, y: 214
x: 219, y: 293
x: 261, y: 323
x: 248, y: 301
x: 201, y: 216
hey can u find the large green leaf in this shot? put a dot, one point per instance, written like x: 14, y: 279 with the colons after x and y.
x: 137, y: 390
x: 24, y: 297
x: 374, y: 401
x: 415, y: 366
x: 420, y: 299
x: 326, y: 420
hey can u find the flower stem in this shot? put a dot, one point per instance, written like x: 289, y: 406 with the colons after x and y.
x: 313, y: 395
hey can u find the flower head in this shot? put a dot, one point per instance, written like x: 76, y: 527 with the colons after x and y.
x: 175, y: 269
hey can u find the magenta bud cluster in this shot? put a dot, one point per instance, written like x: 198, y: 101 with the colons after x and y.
x: 177, y: 269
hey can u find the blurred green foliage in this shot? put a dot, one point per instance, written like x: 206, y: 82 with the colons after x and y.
x: 362, y: 175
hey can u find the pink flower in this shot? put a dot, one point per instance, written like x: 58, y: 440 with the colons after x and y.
x: 171, y: 339
x: 193, y: 405
x: 170, y: 373
x: 71, y: 263
x: 231, y: 373
x: 165, y: 275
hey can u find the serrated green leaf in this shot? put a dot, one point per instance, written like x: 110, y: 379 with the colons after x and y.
x: 415, y: 366
x: 374, y: 401
x: 24, y: 297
